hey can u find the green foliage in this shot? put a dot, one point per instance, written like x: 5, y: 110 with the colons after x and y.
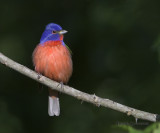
x: 154, y: 128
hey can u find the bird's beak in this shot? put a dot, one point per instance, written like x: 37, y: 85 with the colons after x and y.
x: 62, y: 32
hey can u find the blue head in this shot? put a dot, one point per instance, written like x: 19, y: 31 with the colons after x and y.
x: 52, y: 32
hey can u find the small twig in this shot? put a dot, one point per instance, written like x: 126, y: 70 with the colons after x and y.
x: 79, y: 94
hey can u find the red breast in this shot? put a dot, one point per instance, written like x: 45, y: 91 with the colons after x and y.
x: 53, y: 60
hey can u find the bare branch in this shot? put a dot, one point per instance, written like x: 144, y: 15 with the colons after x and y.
x: 78, y: 94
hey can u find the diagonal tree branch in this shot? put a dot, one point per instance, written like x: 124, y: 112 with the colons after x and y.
x: 138, y: 114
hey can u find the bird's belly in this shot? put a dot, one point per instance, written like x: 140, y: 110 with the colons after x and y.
x: 53, y: 62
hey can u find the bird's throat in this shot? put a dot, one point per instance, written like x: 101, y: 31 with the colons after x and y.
x: 53, y: 43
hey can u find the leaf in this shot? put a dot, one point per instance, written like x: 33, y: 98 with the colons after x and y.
x: 154, y: 128
x: 129, y: 129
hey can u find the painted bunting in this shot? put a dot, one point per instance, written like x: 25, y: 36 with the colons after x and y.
x: 52, y: 58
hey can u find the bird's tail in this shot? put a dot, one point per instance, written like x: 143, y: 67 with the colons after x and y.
x: 53, y: 103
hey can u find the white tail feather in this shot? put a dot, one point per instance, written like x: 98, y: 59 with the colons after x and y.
x: 53, y: 106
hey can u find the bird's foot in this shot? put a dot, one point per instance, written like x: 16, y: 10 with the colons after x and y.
x: 62, y: 86
x: 39, y: 76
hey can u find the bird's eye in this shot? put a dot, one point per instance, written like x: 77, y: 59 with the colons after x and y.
x: 54, y: 32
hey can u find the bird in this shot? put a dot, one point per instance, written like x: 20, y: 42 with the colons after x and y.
x: 52, y: 58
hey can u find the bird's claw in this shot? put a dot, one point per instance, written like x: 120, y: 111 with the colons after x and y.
x: 62, y: 87
x: 39, y: 76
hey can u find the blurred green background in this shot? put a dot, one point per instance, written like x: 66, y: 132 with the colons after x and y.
x: 116, y: 54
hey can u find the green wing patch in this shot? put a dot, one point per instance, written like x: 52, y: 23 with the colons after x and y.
x: 69, y: 49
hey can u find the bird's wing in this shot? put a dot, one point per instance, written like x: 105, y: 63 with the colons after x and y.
x: 69, y: 49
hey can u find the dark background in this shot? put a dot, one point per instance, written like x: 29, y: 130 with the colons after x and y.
x: 116, y: 50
